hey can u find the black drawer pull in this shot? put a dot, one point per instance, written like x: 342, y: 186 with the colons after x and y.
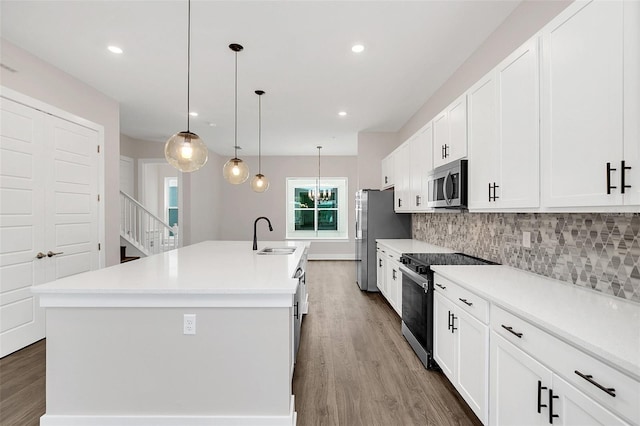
x: 441, y: 286
x: 449, y: 320
x: 510, y: 330
x: 609, y: 186
x: 465, y: 301
x: 622, y: 183
x: 453, y: 326
x: 540, y: 389
x: 551, y: 398
x: 589, y: 378
x: 296, y: 311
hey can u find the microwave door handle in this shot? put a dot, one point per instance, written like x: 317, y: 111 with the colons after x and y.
x: 444, y: 188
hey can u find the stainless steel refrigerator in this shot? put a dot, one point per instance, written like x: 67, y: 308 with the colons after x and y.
x: 375, y: 218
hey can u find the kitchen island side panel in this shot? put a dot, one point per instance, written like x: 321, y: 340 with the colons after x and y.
x: 137, y: 361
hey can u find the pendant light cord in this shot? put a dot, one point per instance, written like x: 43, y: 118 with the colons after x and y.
x: 235, y: 146
x: 259, y: 134
x: 188, y: 63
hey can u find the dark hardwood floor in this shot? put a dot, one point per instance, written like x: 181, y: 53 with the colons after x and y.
x: 22, y: 386
x: 354, y: 367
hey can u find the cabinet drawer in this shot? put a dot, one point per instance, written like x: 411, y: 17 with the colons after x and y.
x: 392, y: 255
x: 565, y: 360
x: 463, y: 298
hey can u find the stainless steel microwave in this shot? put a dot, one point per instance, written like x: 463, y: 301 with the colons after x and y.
x: 448, y: 186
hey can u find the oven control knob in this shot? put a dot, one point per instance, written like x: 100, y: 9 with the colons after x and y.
x: 404, y: 260
x: 421, y: 269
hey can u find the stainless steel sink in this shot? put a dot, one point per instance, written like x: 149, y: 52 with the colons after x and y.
x: 277, y: 250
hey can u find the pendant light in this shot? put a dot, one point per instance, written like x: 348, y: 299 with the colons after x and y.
x: 260, y: 183
x: 318, y: 195
x: 235, y: 170
x: 185, y: 150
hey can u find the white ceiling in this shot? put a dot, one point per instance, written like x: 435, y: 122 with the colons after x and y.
x: 298, y: 52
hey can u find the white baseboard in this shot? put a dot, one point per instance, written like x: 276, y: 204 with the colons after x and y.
x: 62, y: 420
x: 335, y: 256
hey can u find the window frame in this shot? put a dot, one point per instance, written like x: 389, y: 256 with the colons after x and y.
x: 342, y: 185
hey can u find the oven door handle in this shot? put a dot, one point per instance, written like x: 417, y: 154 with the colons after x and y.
x: 416, y: 278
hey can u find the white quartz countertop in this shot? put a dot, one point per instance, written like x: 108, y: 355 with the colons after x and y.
x: 605, y: 326
x: 211, y: 268
x: 412, y: 246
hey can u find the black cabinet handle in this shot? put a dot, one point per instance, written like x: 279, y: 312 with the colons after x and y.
x: 489, y: 191
x: 609, y: 186
x: 296, y: 310
x: 540, y: 404
x: 465, y: 301
x: 551, y: 398
x: 441, y: 286
x: 622, y: 169
x: 510, y: 330
x: 453, y: 319
x: 495, y: 197
x: 386, y: 179
x: 380, y: 263
x: 417, y: 200
x: 449, y: 321
x: 589, y: 378
x: 399, y: 202
x: 393, y: 273
x: 442, y: 150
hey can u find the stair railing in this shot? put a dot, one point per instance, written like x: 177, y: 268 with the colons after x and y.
x: 146, y: 231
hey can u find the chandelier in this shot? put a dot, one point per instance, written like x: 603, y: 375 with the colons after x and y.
x: 318, y: 195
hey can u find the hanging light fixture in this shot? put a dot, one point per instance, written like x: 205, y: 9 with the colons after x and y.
x: 318, y: 195
x: 235, y: 170
x: 260, y: 183
x: 185, y: 150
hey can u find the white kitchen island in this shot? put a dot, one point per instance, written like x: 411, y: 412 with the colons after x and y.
x: 117, y: 353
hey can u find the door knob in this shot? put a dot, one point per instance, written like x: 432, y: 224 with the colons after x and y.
x: 40, y: 255
x: 51, y: 254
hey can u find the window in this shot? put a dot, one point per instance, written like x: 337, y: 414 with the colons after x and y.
x: 171, y: 201
x: 324, y: 219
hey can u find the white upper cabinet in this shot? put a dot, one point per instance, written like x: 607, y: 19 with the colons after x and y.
x: 387, y: 171
x: 503, y: 134
x: 402, y: 170
x: 421, y: 165
x: 589, y: 108
x: 450, y: 133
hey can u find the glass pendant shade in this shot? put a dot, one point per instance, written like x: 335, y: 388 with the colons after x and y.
x: 235, y: 171
x: 186, y: 152
x: 259, y: 183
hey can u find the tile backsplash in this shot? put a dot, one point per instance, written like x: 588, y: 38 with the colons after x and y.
x: 593, y: 250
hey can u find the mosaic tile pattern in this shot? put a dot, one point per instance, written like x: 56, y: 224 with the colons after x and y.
x: 593, y: 250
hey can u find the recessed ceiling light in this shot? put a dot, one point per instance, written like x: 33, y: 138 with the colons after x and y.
x: 193, y: 114
x: 115, y: 49
x: 357, y: 48
x: 342, y: 113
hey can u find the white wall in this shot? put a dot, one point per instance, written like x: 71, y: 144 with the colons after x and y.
x: 241, y: 206
x: 42, y: 81
x: 372, y: 148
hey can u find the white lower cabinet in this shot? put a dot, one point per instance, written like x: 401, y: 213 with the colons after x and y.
x: 461, y: 346
x: 389, y: 277
x: 517, y: 383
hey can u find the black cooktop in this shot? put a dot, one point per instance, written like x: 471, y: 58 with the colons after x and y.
x: 427, y: 259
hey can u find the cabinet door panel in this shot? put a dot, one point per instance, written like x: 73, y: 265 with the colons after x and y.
x: 457, y: 129
x: 402, y: 170
x: 582, y: 104
x: 519, y: 128
x: 440, y: 138
x: 514, y: 385
x: 443, y: 338
x: 576, y: 409
x: 472, y: 369
x: 632, y: 100
x: 381, y: 274
x: 484, y: 154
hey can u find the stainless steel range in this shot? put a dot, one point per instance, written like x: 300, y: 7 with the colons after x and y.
x: 417, y: 298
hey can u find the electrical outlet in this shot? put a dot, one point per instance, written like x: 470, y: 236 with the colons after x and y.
x: 189, y: 325
x: 526, y: 239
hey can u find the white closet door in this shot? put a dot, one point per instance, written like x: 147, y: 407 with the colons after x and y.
x: 48, y: 203
x: 72, y: 203
x: 22, y: 220
x: 126, y: 175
